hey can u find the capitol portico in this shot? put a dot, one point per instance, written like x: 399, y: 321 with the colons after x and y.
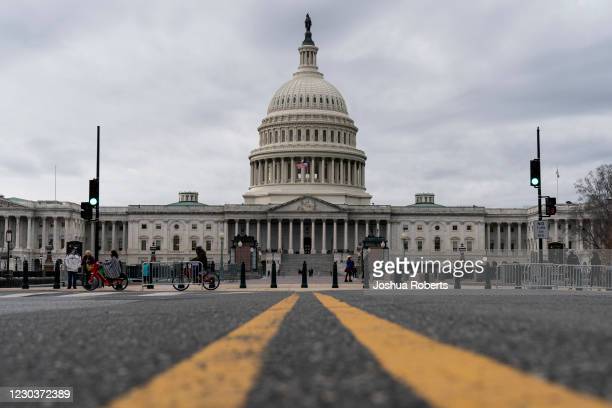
x: 306, y: 197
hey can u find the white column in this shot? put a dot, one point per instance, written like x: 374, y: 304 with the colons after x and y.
x: 29, y: 234
x: 367, y: 228
x: 350, y: 173
x: 227, y: 240
x: 345, y: 235
x: 269, y: 236
x: 566, y: 233
x: 258, y: 229
x: 247, y: 227
x: 313, y: 248
x: 509, y: 232
x: 333, y: 171
x: 236, y: 227
x: 280, y: 235
x: 324, y: 238
x: 290, y: 236
x: 114, y: 236
x: 335, y: 237
x: 301, y: 236
x: 292, y: 170
x: 377, y: 228
x: 519, y: 231
x: 56, y: 245
x: 283, y: 171
x: 356, y: 235
x: 580, y: 244
x: 341, y: 171
x: 322, y: 171
x: 17, y: 236
x: 388, y: 235
x: 498, y: 243
x: 312, y: 168
x: 556, y: 230
x: 125, y: 236
x: 103, y: 241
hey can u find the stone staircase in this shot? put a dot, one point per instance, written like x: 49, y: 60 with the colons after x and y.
x: 321, y: 264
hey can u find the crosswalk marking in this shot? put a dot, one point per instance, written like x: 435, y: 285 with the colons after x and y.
x: 446, y: 375
x: 221, y: 374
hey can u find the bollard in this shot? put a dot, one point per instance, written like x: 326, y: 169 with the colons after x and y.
x: 487, y: 278
x: 242, y: 276
x: 457, y: 283
x: 26, y: 283
x: 304, y: 275
x: 273, y: 280
x: 56, y: 278
x: 335, y: 275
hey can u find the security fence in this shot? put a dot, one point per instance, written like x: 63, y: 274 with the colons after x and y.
x: 553, y: 276
x: 171, y: 273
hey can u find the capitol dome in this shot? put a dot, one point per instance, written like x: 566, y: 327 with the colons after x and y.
x: 307, y: 142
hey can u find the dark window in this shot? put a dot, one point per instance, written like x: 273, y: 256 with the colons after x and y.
x: 176, y: 243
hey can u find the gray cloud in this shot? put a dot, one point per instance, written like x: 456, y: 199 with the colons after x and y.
x: 447, y: 96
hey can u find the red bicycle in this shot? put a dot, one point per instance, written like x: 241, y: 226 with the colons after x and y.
x: 96, y: 278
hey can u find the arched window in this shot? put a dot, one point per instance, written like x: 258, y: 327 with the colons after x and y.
x: 324, y: 135
x: 291, y: 135
x: 283, y: 135
x: 437, y: 244
x: 176, y: 241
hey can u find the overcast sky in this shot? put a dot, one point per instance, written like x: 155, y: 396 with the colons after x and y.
x: 446, y: 95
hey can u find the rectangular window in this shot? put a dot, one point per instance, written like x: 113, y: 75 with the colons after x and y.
x: 420, y: 246
x: 208, y: 226
x: 158, y: 243
x: 291, y: 135
x: 405, y: 227
x: 469, y: 227
x: 194, y: 226
x: 325, y: 135
x: 419, y: 227
x: 143, y: 244
x: 455, y: 246
x: 299, y: 135
x: 143, y: 226
x: 308, y: 135
x: 454, y: 228
x: 469, y: 245
x: 208, y: 245
x: 194, y: 244
x: 316, y: 135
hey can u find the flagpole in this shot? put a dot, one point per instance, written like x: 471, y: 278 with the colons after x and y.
x: 557, y: 182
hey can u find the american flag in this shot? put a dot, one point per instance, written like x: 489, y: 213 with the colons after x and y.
x: 302, y: 165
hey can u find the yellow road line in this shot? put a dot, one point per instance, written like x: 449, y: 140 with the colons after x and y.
x: 448, y: 376
x: 221, y: 374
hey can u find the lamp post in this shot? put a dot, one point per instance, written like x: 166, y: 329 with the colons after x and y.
x: 221, y: 237
x: 8, y: 239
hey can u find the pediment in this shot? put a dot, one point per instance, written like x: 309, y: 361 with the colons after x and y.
x: 306, y: 204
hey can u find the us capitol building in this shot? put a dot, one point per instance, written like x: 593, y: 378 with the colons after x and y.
x: 307, y: 199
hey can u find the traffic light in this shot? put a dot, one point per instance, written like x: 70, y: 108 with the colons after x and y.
x: 94, y: 197
x: 551, y: 205
x: 86, y: 211
x: 535, y: 173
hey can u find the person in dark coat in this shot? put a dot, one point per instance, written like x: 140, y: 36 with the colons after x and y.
x: 201, y: 257
x: 349, y: 270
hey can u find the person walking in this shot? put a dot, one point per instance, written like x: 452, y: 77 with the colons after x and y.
x: 73, y: 263
x: 87, y: 263
x: 350, y: 265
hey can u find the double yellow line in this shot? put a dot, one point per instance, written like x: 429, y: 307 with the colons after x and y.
x: 223, y: 373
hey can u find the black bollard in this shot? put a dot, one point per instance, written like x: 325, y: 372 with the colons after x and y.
x: 487, y: 278
x: 26, y: 283
x: 56, y: 278
x: 304, y: 275
x: 273, y: 280
x: 457, y: 283
x: 427, y: 280
x: 335, y: 275
x: 242, y: 276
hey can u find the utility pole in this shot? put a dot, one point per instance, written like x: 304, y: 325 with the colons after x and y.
x: 540, y: 241
x: 97, y: 223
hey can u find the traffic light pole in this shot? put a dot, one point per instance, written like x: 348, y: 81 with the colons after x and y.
x: 97, y: 223
x: 540, y: 241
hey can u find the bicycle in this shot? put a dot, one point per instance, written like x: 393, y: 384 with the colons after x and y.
x: 95, y: 278
x: 190, y: 273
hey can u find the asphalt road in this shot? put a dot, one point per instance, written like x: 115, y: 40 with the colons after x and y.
x: 105, y: 345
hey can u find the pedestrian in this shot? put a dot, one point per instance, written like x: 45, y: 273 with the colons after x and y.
x: 112, y: 268
x: 86, y: 264
x: 350, y: 265
x: 73, y: 263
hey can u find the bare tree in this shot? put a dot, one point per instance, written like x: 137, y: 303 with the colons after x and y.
x: 595, y: 194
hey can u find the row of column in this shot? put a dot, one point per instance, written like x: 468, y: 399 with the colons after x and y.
x: 493, y: 237
x: 116, y: 229
x: 28, y: 226
x: 308, y: 169
x: 375, y: 227
x: 564, y: 235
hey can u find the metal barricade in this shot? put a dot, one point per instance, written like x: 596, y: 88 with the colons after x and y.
x: 553, y: 276
x: 172, y: 273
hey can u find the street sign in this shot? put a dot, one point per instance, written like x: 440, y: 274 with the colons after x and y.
x: 540, y: 229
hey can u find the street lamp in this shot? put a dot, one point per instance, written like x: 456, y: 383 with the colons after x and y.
x: 8, y: 239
